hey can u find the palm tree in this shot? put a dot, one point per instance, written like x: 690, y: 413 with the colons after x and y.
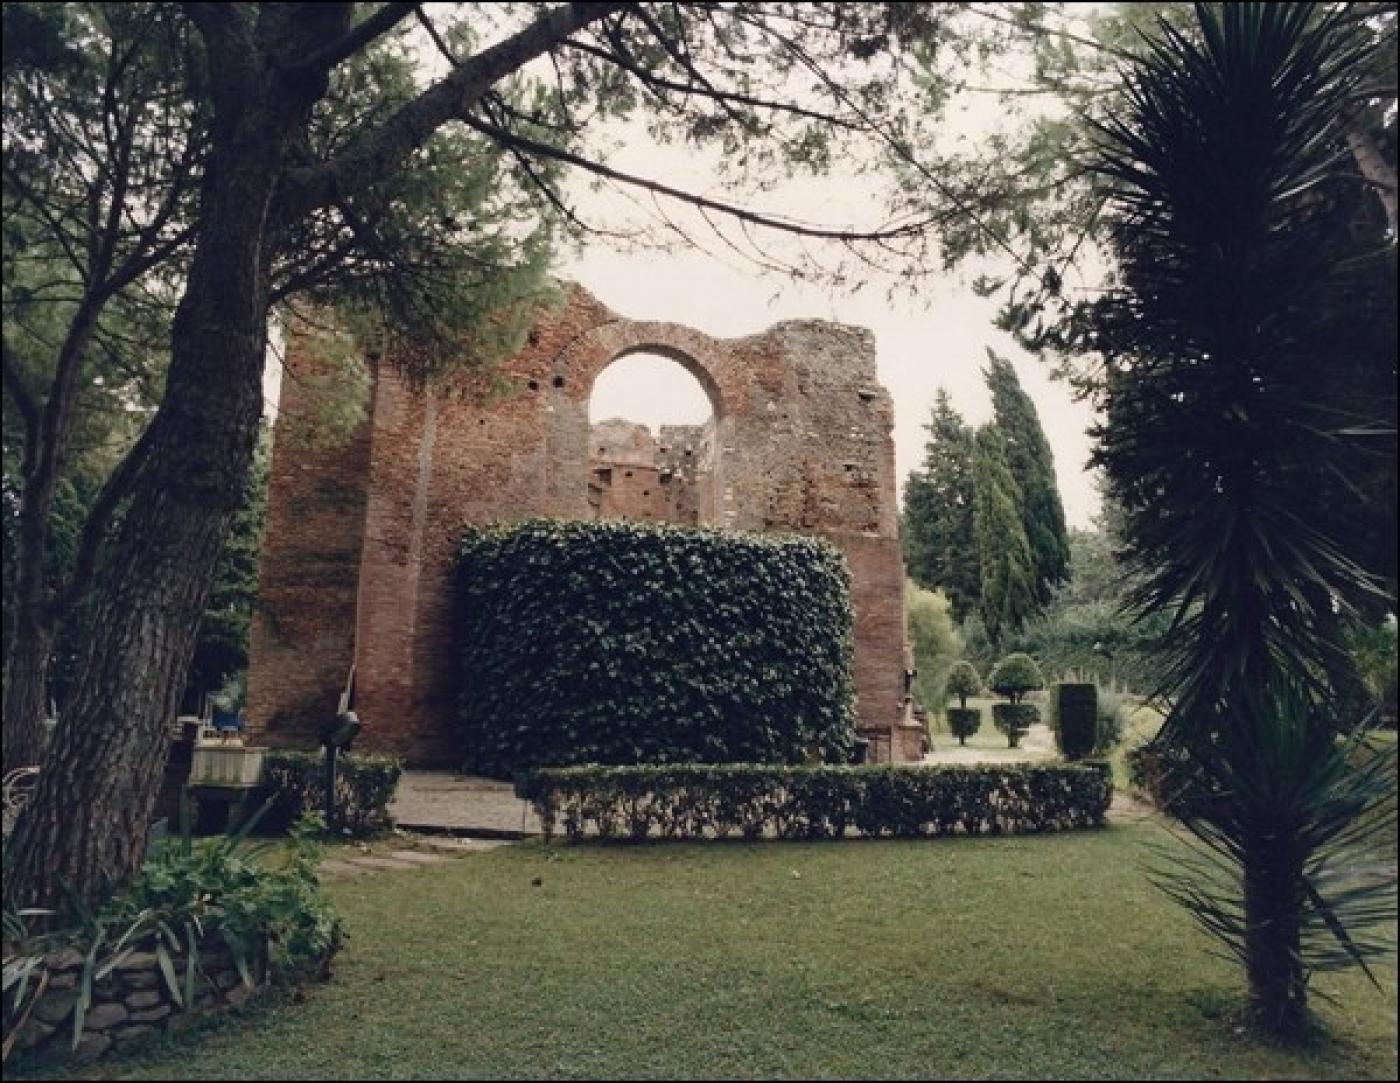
x: 1229, y: 344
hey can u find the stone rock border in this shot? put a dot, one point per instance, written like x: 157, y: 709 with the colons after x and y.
x: 131, y: 1003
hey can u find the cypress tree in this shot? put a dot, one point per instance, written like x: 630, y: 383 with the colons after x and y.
x: 1006, y: 561
x: 1033, y: 467
x: 940, y: 543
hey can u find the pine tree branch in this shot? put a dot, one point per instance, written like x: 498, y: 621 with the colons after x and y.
x: 368, y: 158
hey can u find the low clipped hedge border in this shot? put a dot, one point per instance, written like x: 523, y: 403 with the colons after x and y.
x: 624, y: 643
x: 696, y: 801
x: 364, y: 788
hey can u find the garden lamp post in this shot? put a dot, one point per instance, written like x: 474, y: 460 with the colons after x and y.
x: 336, y: 735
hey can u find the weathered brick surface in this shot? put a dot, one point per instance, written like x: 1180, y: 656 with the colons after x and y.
x: 361, y: 541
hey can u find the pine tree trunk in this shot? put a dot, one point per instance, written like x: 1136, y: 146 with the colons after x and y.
x: 26, y: 693
x: 110, y: 745
x: 1273, y: 905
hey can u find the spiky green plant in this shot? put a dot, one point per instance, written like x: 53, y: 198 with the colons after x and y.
x: 1224, y: 166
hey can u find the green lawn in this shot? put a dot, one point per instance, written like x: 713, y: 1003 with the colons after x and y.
x: 1046, y: 957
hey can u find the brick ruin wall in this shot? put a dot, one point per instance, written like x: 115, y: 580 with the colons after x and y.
x: 360, y: 546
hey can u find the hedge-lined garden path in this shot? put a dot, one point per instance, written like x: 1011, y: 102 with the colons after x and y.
x: 349, y: 862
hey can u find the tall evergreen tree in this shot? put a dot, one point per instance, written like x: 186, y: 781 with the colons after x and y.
x: 940, y: 542
x: 1033, y: 467
x: 1007, y: 563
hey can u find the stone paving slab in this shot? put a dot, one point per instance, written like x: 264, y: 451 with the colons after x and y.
x: 461, y: 846
x: 370, y: 861
x: 446, y: 800
x: 415, y: 857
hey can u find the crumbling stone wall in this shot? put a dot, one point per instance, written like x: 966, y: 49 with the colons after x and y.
x: 633, y: 476
x: 800, y: 441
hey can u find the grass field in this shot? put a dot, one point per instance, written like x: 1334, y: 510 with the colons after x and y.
x: 1030, y: 957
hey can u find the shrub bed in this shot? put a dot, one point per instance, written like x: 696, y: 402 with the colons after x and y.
x: 202, y: 927
x: 364, y: 786
x: 625, y: 643
x: 693, y: 801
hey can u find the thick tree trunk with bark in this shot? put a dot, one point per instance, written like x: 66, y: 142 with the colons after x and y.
x: 26, y: 693
x: 86, y: 824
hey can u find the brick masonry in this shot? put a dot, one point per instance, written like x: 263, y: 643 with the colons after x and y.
x: 359, y: 550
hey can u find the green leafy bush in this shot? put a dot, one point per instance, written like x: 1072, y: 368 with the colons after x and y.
x: 964, y: 681
x: 694, y: 801
x: 934, y: 642
x: 1112, y: 721
x: 364, y: 787
x: 963, y: 722
x: 624, y: 642
x: 1074, y: 716
x: 1014, y: 719
x: 1014, y: 676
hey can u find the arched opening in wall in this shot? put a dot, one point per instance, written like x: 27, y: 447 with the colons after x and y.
x: 652, y: 447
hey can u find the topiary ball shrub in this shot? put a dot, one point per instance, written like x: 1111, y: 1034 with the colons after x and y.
x: 963, y: 681
x: 1075, y: 710
x: 1013, y: 719
x: 633, y: 643
x: 963, y: 722
x: 1014, y: 676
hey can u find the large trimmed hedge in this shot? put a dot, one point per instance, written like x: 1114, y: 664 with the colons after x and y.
x: 624, y: 643
x: 693, y: 801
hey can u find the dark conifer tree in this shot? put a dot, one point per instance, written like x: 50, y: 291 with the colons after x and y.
x: 1033, y: 466
x: 940, y: 542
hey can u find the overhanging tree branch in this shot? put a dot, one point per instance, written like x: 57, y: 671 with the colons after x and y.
x: 354, y: 39
x: 509, y: 139
x: 368, y: 158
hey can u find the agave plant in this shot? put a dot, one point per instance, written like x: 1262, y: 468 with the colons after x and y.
x: 1228, y: 342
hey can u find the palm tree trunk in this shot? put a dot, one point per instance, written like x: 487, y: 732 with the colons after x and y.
x: 1273, y: 905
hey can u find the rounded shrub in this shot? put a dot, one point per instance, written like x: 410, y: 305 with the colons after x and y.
x: 632, y: 643
x: 963, y: 681
x: 1074, y: 709
x: 1014, y: 676
x: 1013, y: 719
x: 963, y: 722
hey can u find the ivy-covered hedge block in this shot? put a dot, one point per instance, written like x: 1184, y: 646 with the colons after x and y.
x: 623, y: 643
